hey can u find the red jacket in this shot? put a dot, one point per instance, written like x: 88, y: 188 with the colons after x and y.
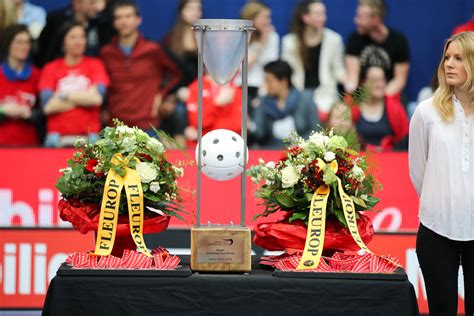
x: 136, y: 79
x: 18, y: 132
x: 226, y: 116
x: 397, y: 117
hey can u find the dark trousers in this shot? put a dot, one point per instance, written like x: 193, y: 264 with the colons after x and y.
x: 439, y: 259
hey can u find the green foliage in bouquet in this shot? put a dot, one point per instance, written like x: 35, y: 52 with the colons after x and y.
x: 84, y: 178
x: 289, y: 184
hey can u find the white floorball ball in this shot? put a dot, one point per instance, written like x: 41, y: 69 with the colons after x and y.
x: 222, y: 154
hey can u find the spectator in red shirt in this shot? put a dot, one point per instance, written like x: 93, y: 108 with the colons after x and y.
x: 138, y: 69
x: 18, y: 89
x: 72, y: 89
x: 222, y: 108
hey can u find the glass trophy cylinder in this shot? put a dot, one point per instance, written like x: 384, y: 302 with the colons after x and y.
x: 222, y: 48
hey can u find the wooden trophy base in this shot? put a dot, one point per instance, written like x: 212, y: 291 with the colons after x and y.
x: 220, y: 249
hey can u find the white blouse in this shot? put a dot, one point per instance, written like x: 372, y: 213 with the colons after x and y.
x: 440, y: 159
x: 270, y: 52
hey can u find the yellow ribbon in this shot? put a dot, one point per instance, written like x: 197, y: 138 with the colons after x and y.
x: 317, y: 222
x: 314, y: 244
x: 110, y: 205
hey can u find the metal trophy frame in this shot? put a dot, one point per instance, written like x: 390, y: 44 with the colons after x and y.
x: 222, y: 62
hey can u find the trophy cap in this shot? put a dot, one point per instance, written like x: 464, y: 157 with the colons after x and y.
x: 223, y: 45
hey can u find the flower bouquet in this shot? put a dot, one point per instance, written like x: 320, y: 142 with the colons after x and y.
x: 93, y: 199
x: 321, y: 184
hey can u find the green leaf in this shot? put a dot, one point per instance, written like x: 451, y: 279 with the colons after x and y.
x: 371, y: 201
x: 298, y: 215
x: 285, y: 200
x: 340, y: 217
x: 359, y: 201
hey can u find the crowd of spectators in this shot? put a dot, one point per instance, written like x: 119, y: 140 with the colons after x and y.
x: 70, y: 72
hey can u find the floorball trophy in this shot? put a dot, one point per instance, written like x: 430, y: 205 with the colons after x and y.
x: 222, y: 154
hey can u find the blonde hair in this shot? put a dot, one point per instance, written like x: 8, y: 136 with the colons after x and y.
x: 249, y: 12
x: 442, y: 98
x: 7, y: 14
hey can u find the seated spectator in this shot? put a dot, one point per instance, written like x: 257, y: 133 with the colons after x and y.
x: 316, y: 55
x: 283, y: 109
x: 72, y: 89
x: 222, y: 108
x: 31, y: 15
x: 380, y: 120
x: 18, y: 89
x: 264, y: 47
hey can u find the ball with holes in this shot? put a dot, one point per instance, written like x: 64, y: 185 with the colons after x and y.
x: 222, y: 154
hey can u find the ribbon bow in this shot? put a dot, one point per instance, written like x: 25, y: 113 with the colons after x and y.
x: 317, y: 221
x: 111, y: 203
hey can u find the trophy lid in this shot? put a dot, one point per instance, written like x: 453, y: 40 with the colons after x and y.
x: 223, y: 45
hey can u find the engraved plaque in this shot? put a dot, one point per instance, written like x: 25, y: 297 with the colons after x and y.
x: 219, y: 248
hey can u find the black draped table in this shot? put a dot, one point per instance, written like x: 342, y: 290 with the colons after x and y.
x: 258, y: 293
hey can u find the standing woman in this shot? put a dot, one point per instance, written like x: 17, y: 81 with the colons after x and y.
x: 316, y: 54
x: 72, y: 89
x: 264, y: 46
x: 180, y: 44
x: 441, y: 154
x: 18, y: 89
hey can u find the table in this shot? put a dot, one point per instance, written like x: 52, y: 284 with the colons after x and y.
x: 258, y: 293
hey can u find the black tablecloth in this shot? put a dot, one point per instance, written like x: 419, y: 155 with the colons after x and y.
x: 259, y: 293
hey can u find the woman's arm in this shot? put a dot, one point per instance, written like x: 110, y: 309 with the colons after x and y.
x: 94, y: 96
x: 417, y: 150
x: 51, y: 103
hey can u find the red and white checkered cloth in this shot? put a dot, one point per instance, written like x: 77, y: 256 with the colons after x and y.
x: 339, y: 262
x: 131, y: 259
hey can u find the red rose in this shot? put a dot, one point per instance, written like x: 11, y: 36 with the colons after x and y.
x: 90, y: 164
x: 144, y: 156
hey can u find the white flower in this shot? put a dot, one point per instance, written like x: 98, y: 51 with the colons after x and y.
x: 154, y: 186
x: 79, y: 142
x: 124, y: 130
x: 289, y: 177
x: 155, y: 210
x: 261, y: 161
x: 357, y: 173
x: 129, y: 142
x: 329, y: 156
x: 319, y: 140
x: 65, y: 170
x: 154, y: 145
x: 179, y: 171
x: 147, y: 172
x: 270, y: 164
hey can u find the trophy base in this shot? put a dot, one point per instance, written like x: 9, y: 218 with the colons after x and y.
x: 220, y: 249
